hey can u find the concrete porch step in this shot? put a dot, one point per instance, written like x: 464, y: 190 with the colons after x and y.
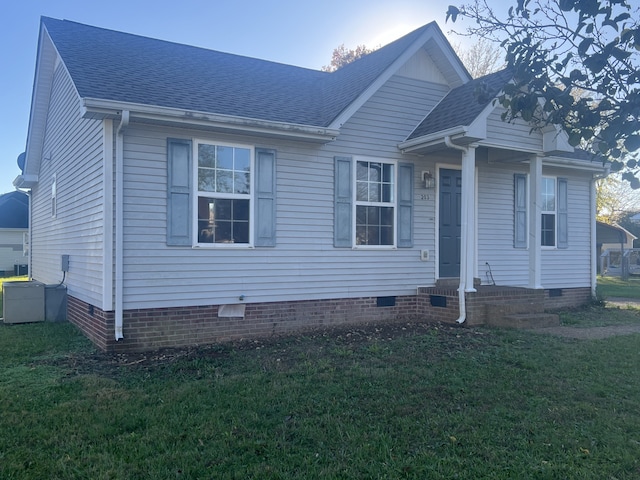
x: 525, y: 320
x: 496, y: 310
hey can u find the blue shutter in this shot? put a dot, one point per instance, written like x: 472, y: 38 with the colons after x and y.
x: 178, y: 192
x: 343, y: 184
x: 563, y: 214
x: 405, y: 205
x: 520, y: 210
x: 265, y: 194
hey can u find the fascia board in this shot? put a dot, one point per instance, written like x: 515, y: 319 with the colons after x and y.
x: 575, y: 164
x: 47, y: 59
x: 25, y: 181
x: 99, y: 108
x: 432, y: 139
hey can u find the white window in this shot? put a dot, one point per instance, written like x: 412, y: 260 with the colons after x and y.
x: 54, y: 203
x: 375, y: 205
x: 224, y: 200
x: 549, y: 209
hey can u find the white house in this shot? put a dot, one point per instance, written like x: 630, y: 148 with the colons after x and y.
x: 201, y: 195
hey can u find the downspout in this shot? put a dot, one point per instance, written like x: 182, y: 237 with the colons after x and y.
x: 119, y: 222
x: 30, y: 235
x: 463, y: 243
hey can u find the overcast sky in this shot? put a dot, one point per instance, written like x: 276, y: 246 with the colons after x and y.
x: 295, y: 32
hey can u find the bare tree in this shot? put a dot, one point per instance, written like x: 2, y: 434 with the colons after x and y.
x: 481, y: 58
x: 342, y: 56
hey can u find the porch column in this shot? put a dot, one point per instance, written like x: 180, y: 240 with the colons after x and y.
x: 468, y: 213
x: 535, y: 223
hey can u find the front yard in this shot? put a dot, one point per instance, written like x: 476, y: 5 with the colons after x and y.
x: 386, y: 401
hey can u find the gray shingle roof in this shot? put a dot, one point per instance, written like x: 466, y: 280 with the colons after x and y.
x: 462, y: 105
x: 110, y: 65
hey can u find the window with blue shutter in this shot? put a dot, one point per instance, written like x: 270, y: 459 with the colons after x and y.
x: 520, y: 211
x: 178, y: 192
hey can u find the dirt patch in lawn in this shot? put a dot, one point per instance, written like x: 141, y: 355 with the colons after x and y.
x: 349, y: 336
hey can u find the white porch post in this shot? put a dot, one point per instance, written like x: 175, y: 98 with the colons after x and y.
x: 468, y: 212
x: 535, y: 223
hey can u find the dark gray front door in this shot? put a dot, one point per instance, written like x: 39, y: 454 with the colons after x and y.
x: 450, y: 186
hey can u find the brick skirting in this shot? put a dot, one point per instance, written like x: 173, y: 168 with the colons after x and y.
x: 147, y: 329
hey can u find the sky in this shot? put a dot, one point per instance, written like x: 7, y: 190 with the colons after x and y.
x: 295, y: 32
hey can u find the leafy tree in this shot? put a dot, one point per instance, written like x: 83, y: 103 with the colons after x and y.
x: 342, y: 56
x: 615, y: 199
x: 558, y: 47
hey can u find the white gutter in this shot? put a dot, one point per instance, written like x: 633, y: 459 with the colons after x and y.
x: 409, y: 146
x: 468, y: 172
x: 99, y: 108
x: 124, y: 121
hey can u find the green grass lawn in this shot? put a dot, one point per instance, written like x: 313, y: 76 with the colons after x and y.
x: 616, y: 287
x: 408, y: 401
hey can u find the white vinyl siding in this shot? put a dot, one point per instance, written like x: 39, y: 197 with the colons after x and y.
x: 304, y: 264
x: 571, y: 267
x: 72, y: 154
x: 561, y: 268
x: 516, y: 134
x: 509, y: 265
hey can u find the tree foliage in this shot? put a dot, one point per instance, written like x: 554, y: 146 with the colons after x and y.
x: 342, y: 56
x: 558, y: 47
x: 615, y: 199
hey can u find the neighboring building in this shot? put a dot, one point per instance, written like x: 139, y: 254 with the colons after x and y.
x: 613, y: 237
x: 14, y: 228
x: 202, y: 196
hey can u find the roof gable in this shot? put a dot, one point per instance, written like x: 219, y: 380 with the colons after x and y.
x: 462, y: 105
x: 14, y: 210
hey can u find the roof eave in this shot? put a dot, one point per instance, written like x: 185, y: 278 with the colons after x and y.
x: 593, y: 167
x: 435, y: 141
x: 100, y: 108
x: 25, y: 181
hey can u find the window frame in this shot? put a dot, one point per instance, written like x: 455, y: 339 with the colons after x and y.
x: 54, y: 196
x: 553, y: 212
x: 359, y: 203
x: 197, y: 194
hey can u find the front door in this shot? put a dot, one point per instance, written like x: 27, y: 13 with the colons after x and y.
x: 450, y: 186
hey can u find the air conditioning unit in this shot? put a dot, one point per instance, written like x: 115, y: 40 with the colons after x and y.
x: 23, y: 302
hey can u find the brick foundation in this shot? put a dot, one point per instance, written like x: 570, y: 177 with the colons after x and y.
x: 568, y: 298
x: 147, y: 329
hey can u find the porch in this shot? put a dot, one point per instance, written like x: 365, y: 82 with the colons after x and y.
x: 500, y: 306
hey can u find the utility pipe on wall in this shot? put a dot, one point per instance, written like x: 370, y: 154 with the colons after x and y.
x: 119, y: 223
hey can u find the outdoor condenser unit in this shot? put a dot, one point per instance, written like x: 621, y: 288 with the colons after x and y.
x: 23, y: 302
